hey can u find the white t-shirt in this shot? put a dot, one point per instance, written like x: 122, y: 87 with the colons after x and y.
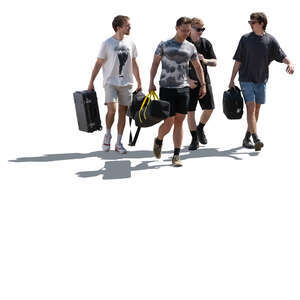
x: 117, y: 66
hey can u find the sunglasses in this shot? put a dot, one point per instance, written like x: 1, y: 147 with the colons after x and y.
x: 199, y: 29
x: 252, y: 22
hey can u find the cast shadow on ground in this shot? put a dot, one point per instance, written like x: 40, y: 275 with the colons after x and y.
x: 122, y: 169
x: 116, y: 167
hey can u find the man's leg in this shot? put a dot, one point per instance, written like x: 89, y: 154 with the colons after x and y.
x: 193, y: 130
x: 257, y: 109
x: 109, y: 119
x: 177, y: 138
x: 178, y: 131
x: 251, y: 119
x: 122, y: 109
x: 164, y: 129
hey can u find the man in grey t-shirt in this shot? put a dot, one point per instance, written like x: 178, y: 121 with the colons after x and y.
x: 175, y: 55
x: 256, y: 50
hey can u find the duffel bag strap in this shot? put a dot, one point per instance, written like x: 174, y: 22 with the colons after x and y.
x: 133, y: 142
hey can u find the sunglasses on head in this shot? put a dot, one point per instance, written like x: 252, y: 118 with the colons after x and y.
x: 199, y: 29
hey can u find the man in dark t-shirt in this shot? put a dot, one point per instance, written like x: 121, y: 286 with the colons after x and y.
x: 256, y: 50
x: 207, y: 57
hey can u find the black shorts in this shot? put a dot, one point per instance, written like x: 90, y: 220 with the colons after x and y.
x: 206, y: 103
x: 177, y: 97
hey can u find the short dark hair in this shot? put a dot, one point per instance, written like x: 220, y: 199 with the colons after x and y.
x: 119, y: 21
x: 260, y: 17
x: 183, y: 20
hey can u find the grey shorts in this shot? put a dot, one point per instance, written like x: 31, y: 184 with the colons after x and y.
x: 118, y: 94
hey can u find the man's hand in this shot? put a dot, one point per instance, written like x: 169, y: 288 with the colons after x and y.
x: 290, y: 68
x: 152, y: 87
x: 139, y: 87
x: 231, y: 84
x: 202, y: 91
x: 91, y: 87
x: 192, y: 83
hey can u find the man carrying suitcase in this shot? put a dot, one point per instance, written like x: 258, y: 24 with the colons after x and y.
x: 175, y: 55
x: 207, y: 58
x: 256, y: 50
x: 117, y: 55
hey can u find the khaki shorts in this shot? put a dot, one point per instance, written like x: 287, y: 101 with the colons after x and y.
x: 118, y: 94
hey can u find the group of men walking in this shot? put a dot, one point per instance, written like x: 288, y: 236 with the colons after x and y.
x: 184, y: 79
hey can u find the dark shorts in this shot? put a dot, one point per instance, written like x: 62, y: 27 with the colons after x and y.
x: 206, y: 103
x: 178, y: 99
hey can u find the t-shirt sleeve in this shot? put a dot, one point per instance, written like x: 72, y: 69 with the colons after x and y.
x: 134, y: 51
x: 194, y: 53
x: 159, y: 50
x: 102, y: 51
x: 238, y: 56
x: 277, y: 53
x: 210, y: 51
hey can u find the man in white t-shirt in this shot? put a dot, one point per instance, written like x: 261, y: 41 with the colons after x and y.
x: 117, y: 55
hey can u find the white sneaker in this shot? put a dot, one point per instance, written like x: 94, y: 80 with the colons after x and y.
x: 106, y: 143
x: 120, y: 148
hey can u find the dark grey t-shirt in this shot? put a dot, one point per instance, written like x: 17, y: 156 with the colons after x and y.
x: 255, y: 53
x: 175, y: 62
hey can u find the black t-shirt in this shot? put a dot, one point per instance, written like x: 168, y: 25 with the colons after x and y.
x: 255, y: 53
x: 205, y: 48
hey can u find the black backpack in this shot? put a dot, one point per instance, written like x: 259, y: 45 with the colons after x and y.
x: 233, y: 103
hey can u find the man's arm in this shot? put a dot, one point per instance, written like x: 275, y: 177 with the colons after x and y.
x: 212, y: 62
x: 95, y: 72
x: 136, y: 73
x: 153, y: 71
x: 290, y: 66
x: 235, y: 69
x: 200, y: 74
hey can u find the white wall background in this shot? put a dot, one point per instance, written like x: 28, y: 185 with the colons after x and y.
x: 225, y: 226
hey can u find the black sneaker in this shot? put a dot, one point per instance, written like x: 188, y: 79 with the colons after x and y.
x: 258, y: 145
x: 194, y: 145
x: 157, y: 149
x: 201, y: 136
x: 248, y: 144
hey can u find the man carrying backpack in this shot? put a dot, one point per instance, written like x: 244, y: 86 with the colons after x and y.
x: 256, y: 50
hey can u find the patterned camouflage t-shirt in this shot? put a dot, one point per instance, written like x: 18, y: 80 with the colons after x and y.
x: 175, y: 62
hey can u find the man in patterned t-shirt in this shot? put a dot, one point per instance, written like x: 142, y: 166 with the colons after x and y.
x: 175, y: 55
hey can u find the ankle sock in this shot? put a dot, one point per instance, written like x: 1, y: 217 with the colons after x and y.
x: 200, y: 126
x: 194, y: 134
x: 176, y: 151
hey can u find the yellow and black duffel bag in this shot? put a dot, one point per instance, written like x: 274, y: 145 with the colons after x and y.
x: 152, y: 111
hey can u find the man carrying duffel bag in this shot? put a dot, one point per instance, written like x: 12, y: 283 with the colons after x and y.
x: 175, y: 55
x: 256, y: 50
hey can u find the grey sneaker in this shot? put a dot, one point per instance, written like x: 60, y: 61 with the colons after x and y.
x: 120, y: 148
x: 176, y: 162
x: 157, y: 149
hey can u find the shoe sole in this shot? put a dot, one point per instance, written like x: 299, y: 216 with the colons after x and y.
x: 258, y: 146
x: 120, y: 151
x: 193, y: 148
x: 177, y: 165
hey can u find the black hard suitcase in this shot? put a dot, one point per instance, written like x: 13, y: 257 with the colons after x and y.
x: 233, y: 103
x: 87, y: 111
